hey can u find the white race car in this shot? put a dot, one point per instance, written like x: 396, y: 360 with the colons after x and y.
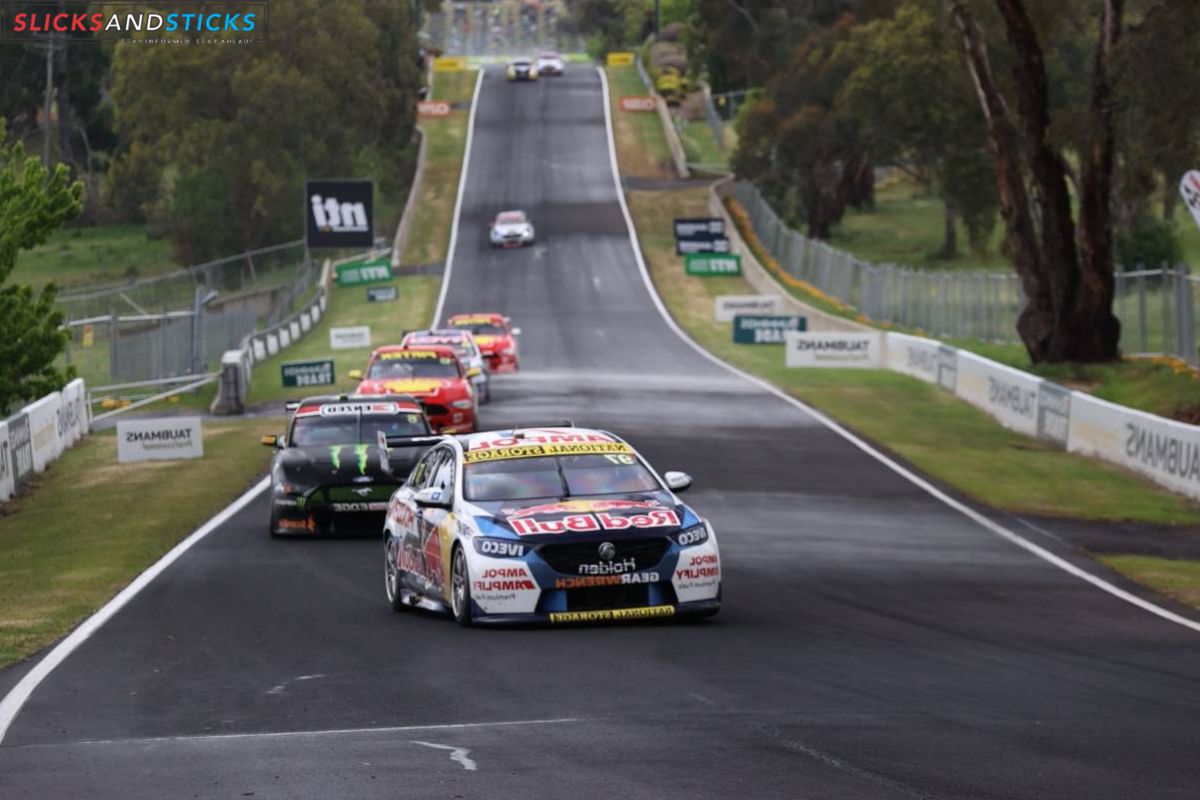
x: 556, y: 524
x: 550, y: 63
x: 511, y: 229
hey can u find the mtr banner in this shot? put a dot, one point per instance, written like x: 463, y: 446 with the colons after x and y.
x: 339, y: 213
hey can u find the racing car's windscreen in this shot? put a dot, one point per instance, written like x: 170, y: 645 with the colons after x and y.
x: 400, y: 368
x: 351, y: 428
x: 556, y: 476
x: 482, y: 328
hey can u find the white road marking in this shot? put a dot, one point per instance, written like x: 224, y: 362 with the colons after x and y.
x: 458, y: 201
x: 279, y: 689
x: 967, y: 511
x: 216, y: 737
x: 11, y: 705
x: 458, y: 754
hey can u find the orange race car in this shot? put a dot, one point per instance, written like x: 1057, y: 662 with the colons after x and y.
x: 495, y: 336
x: 433, y: 375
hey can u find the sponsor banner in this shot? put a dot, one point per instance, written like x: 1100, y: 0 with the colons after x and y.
x: 339, y: 213
x: 1054, y: 412
x: 1009, y: 395
x: 285, y: 338
x: 701, y: 235
x: 357, y: 273
x: 20, y: 449
x: 649, y: 612
x: 712, y: 264
x: 1189, y: 187
x: 913, y: 355
x: 538, y: 450
x: 757, y: 329
x: 619, y: 59
x: 730, y: 305
x: 433, y: 108
x: 450, y: 64
x: 350, y: 338
x: 272, y: 343
x: 833, y: 349
x: 259, y: 348
x: 76, y: 420
x: 294, y: 329
x: 8, y: 484
x: 44, y: 419
x: 1165, y: 451
x: 305, y: 321
x: 382, y: 294
x: 636, y: 102
x: 948, y: 368
x: 165, y: 439
x: 318, y: 372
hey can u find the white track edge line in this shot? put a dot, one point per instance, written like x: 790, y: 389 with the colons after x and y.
x: 217, y: 737
x: 11, y: 706
x: 829, y: 423
x: 458, y: 201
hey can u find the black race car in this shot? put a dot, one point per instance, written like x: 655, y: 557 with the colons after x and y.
x: 342, y: 458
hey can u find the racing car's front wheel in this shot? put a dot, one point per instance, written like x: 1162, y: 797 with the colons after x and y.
x: 392, y: 576
x: 460, y: 589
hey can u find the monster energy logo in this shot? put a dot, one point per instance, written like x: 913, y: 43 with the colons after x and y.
x: 360, y: 453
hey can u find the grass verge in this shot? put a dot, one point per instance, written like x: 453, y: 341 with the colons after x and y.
x: 429, y: 236
x: 641, y: 144
x: 1176, y: 578
x: 102, y: 254
x: 71, y: 544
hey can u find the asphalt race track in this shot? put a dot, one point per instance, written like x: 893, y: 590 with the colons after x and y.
x: 874, y: 643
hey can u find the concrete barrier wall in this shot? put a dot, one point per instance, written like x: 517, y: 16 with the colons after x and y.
x: 1165, y: 451
x: 1009, y: 395
x: 41, y: 432
x: 7, y: 484
x: 913, y: 356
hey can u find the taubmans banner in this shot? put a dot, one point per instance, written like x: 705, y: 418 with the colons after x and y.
x: 339, y: 213
x: 163, y: 439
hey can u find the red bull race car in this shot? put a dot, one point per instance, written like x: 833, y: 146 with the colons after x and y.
x: 556, y: 524
x: 433, y: 375
x: 495, y: 336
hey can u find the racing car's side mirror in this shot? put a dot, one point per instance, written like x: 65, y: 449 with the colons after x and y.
x: 516, y: 331
x: 356, y: 374
x: 677, y: 481
x: 270, y: 441
x: 431, y: 497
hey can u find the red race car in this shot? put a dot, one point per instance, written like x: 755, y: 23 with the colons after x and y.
x: 433, y: 375
x: 495, y: 337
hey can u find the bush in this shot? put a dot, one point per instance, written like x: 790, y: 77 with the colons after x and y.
x: 1151, y: 244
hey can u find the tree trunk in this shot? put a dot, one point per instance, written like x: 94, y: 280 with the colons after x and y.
x: 950, y: 234
x: 1068, y: 315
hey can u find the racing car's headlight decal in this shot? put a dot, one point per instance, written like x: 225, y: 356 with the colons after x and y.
x: 697, y: 534
x: 500, y: 548
x: 461, y: 404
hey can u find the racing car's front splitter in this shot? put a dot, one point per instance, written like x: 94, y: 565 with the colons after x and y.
x: 705, y: 608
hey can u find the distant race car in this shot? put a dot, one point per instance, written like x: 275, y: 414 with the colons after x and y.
x: 433, y: 375
x: 550, y: 63
x: 554, y: 524
x: 522, y: 69
x: 463, y: 342
x: 341, y: 459
x: 495, y: 336
x: 511, y: 229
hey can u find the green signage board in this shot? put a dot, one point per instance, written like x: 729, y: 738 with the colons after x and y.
x: 382, y: 294
x: 357, y: 273
x: 757, y: 329
x: 318, y: 372
x: 713, y: 264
